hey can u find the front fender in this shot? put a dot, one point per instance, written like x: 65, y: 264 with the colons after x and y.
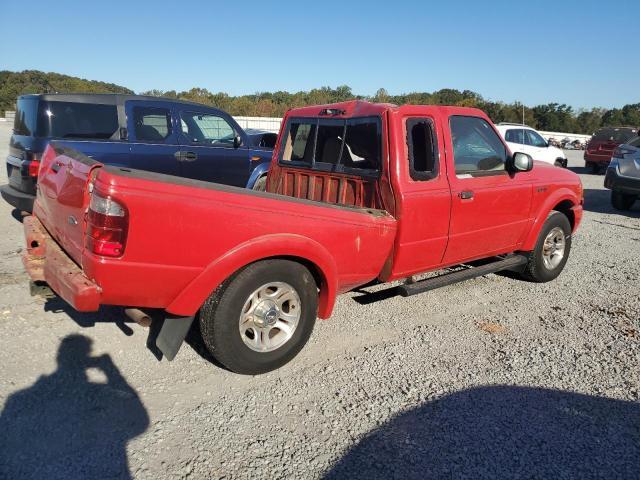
x: 541, y: 215
x: 261, y: 169
x: 189, y: 301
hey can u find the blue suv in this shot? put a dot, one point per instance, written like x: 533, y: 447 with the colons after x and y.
x: 148, y: 133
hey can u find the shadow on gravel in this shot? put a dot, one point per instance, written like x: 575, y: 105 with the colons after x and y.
x: 502, y: 432
x: 66, y: 426
x: 599, y: 201
x: 113, y: 315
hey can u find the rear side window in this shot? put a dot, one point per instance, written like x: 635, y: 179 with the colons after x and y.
x: 26, y: 117
x: 333, y: 144
x: 77, y: 120
x: 515, y: 135
x: 477, y: 148
x: 635, y: 142
x: 422, y: 148
x: 151, y: 124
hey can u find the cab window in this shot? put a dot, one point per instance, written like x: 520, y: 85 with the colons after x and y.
x: 422, y: 148
x: 351, y: 146
x: 477, y: 148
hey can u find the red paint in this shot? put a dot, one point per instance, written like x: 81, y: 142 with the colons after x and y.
x: 184, y: 238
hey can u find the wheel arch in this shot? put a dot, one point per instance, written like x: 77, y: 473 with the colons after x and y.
x: 564, y: 201
x: 289, y: 247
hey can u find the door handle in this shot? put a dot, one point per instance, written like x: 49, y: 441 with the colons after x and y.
x: 466, y: 195
x: 185, y: 156
x: 56, y: 167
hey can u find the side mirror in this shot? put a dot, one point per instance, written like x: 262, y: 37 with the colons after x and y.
x: 520, y: 162
x: 237, y: 141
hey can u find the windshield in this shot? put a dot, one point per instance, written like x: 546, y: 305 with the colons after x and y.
x: 77, y: 120
x: 617, y: 135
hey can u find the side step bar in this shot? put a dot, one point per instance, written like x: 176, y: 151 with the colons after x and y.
x: 507, y: 263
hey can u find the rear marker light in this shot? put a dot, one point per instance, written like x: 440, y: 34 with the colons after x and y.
x: 107, y: 223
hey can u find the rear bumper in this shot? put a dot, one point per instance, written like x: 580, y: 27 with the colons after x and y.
x: 599, y: 158
x: 45, y: 261
x: 614, y: 181
x: 18, y: 199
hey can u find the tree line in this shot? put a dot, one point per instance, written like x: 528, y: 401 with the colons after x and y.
x: 549, y: 117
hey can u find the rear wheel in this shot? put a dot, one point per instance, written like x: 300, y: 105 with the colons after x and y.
x: 595, y: 168
x: 622, y: 201
x: 262, y: 317
x: 551, y: 251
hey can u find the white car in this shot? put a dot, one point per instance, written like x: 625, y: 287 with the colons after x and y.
x: 521, y: 138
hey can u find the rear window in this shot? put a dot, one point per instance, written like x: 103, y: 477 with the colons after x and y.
x: 351, y: 145
x: 26, y: 117
x: 76, y: 120
x: 617, y: 135
x: 635, y: 142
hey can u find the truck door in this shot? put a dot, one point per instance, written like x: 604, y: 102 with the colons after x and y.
x: 490, y: 207
x: 208, y: 150
x: 425, y: 203
x: 153, y: 137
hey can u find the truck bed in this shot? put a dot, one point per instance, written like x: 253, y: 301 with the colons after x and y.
x: 186, y: 236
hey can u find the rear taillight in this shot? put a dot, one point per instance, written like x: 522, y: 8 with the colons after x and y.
x: 34, y: 168
x: 621, y: 151
x: 107, y: 223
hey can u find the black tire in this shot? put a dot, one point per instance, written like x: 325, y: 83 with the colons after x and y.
x: 622, y: 201
x: 595, y: 168
x: 220, y: 314
x: 261, y: 184
x: 559, y: 163
x: 535, y: 270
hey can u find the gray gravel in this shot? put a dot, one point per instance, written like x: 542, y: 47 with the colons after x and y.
x: 493, y: 378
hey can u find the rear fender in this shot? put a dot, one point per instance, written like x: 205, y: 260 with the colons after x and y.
x: 189, y: 301
x: 549, y: 204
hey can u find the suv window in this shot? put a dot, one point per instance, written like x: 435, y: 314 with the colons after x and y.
x: 617, y: 135
x: 422, y: 148
x: 343, y: 145
x: 515, y: 135
x: 635, y: 142
x: 206, y: 129
x: 26, y: 117
x: 477, y: 149
x: 76, y: 120
x: 152, y: 124
x: 535, y: 140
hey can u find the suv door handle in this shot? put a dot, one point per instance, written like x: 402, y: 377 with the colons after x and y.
x: 185, y: 156
x: 466, y: 195
x: 56, y: 166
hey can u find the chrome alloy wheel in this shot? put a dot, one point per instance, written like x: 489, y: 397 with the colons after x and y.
x: 553, y: 248
x: 270, y: 316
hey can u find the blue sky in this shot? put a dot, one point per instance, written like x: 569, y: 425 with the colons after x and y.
x: 583, y: 53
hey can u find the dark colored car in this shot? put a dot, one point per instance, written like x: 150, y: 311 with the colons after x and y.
x: 147, y: 133
x: 623, y: 175
x: 601, y: 146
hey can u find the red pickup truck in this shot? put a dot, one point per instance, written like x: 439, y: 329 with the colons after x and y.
x: 357, y: 192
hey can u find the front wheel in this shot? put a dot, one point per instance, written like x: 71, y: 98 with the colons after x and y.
x: 622, y: 201
x: 551, y: 251
x: 261, y: 184
x: 262, y: 317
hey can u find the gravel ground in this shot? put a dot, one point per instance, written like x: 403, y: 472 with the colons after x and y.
x: 493, y: 378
